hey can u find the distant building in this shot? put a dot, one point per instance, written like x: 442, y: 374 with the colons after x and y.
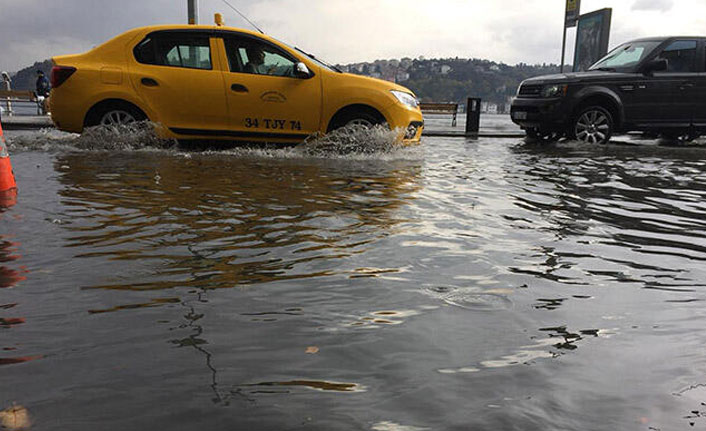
x: 402, y: 76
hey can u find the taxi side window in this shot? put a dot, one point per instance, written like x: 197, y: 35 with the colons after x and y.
x: 248, y: 56
x: 189, y: 51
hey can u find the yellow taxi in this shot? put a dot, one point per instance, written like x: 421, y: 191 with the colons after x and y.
x: 217, y: 82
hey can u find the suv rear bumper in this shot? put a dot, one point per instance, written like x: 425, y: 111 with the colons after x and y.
x: 541, y: 114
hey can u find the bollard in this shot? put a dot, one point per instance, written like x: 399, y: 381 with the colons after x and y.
x: 8, y: 187
x: 472, y: 116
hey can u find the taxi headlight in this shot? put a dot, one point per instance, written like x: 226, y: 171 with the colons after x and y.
x: 549, y: 91
x: 405, y: 98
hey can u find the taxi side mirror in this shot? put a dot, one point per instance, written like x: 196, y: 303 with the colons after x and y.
x: 301, y: 71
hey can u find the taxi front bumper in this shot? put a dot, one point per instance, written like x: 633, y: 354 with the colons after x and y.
x: 409, y: 121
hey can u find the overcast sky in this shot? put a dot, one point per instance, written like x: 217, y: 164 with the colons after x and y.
x: 345, y: 31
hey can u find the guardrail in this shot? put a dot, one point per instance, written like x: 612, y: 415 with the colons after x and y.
x: 8, y: 97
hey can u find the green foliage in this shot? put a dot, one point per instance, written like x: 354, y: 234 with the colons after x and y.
x: 456, y: 79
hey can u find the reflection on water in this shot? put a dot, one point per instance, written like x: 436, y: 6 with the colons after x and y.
x: 480, y: 284
x: 318, y: 385
x: 214, y: 221
x: 635, y: 214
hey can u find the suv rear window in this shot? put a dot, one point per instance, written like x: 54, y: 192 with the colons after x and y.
x: 186, y: 50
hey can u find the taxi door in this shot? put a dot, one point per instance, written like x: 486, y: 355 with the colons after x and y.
x: 265, y: 99
x: 178, y: 76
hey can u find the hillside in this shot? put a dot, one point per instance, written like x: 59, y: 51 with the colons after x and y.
x: 25, y: 79
x: 454, y: 79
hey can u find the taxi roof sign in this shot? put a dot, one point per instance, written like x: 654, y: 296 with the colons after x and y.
x: 218, y: 19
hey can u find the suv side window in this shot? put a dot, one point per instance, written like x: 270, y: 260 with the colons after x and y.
x: 680, y: 56
x: 250, y: 56
x: 191, y: 51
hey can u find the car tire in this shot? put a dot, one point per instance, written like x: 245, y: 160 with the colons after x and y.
x: 680, y: 137
x: 362, y: 119
x: 592, y: 125
x: 536, y: 135
x: 116, y: 114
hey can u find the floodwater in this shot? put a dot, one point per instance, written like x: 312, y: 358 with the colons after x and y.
x: 459, y: 285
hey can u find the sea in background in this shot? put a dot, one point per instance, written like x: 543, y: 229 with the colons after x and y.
x: 353, y: 285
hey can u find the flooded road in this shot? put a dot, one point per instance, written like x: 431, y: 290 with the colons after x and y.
x: 458, y: 285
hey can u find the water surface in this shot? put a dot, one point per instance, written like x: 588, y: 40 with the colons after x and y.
x: 458, y: 285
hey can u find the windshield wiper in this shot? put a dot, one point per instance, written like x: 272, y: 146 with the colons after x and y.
x: 330, y: 66
x: 605, y: 69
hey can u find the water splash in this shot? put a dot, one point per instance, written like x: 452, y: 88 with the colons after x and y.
x: 131, y: 137
x: 351, y: 142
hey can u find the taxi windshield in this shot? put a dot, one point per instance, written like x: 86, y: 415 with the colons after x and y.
x: 311, y: 57
x: 626, y: 56
x: 318, y: 61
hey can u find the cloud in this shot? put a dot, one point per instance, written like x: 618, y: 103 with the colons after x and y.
x: 656, y: 5
x: 342, y: 31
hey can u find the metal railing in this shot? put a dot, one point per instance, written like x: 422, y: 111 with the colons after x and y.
x: 10, y: 97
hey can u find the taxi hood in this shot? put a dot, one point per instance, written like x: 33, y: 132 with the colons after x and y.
x: 376, y: 83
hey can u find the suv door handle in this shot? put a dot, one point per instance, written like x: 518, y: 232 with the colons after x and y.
x: 686, y: 85
x: 239, y: 88
x: 149, y: 82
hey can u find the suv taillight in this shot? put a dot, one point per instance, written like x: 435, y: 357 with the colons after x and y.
x: 59, y: 74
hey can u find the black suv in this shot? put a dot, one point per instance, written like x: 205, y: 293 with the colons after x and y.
x: 655, y: 85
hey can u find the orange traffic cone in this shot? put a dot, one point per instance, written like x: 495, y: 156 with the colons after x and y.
x: 8, y: 187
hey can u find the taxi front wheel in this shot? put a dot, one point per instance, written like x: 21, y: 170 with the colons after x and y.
x: 365, y: 119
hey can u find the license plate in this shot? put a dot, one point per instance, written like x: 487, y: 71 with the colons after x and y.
x: 519, y: 115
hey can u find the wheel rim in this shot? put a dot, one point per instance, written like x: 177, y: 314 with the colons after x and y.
x: 361, y: 122
x: 117, y: 118
x: 592, y: 127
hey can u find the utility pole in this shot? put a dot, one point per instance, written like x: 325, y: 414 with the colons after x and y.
x: 571, y: 16
x: 193, y: 7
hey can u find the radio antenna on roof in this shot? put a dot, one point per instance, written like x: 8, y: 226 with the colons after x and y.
x: 244, y: 17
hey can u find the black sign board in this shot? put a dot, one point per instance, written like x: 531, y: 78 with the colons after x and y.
x: 592, y: 37
x: 573, y: 11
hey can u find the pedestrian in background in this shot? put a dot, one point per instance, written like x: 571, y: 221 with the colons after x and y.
x: 42, y: 91
x: 6, y: 84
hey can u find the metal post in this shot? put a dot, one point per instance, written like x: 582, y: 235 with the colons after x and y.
x: 563, y: 51
x: 472, y: 116
x: 193, y: 7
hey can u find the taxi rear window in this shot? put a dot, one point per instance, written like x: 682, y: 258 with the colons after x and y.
x: 174, y: 49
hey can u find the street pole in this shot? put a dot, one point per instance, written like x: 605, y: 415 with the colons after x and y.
x: 563, y: 51
x: 193, y: 7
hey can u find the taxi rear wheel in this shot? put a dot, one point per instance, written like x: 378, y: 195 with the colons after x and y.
x: 114, y: 114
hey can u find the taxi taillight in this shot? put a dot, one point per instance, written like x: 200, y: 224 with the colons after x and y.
x: 59, y: 74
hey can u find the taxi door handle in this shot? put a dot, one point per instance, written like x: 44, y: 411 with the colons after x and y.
x: 238, y: 88
x: 149, y: 82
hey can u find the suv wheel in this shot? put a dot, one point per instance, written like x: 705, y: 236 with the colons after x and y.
x: 680, y: 137
x: 536, y: 135
x: 593, y: 125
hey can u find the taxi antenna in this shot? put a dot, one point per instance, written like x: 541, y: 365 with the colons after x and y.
x: 244, y: 17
